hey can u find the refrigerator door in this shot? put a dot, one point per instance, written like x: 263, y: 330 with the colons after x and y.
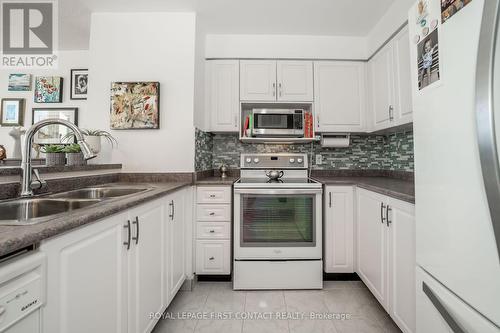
x: 440, y: 311
x: 455, y: 239
x: 487, y: 106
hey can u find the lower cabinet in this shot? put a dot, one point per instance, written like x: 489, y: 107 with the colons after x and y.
x: 386, y: 254
x: 338, y: 233
x: 110, y: 276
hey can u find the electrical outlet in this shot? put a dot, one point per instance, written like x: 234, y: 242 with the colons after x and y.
x: 319, y: 159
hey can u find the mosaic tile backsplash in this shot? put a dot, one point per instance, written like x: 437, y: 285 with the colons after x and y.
x: 376, y: 152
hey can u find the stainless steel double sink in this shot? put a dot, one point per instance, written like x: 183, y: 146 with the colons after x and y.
x: 26, y: 211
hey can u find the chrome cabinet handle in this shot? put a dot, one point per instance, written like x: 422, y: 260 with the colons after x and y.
x: 136, y: 222
x: 330, y: 200
x: 447, y: 316
x: 387, y: 210
x: 127, y: 243
x: 212, y: 195
x: 211, y: 258
x: 382, y: 207
x: 211, y: 213
x: 391, y: 111
x: 171, y: 214
x: 274, y: 89
x: 212, y: 231
x: 280, y: 90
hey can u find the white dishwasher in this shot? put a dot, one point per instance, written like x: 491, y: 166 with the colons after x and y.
x: 22, y: 293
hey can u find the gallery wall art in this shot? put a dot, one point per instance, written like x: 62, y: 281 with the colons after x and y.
x: 48, y: 89
x: 135, y: 105
x: 19, y: 82
x: 53, y: 134
x: 12, y: 112
x: 79, y: 83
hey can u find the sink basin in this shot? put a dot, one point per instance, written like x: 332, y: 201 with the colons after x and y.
x: 99, y: 192
x: 27, y: 211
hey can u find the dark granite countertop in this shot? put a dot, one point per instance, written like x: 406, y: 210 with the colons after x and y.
x: 396, y: 188
x: 215, y: 180
x: 13, y: 238
x: 16, y: 170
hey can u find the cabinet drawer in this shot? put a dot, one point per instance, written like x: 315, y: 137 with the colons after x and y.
x: 213, y: 194
x: 213, y: 257
x: 213, y: 230
x: 207, y: 212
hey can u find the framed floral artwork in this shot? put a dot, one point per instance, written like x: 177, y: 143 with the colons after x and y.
x: 135, y: 105
x: 48, y: 89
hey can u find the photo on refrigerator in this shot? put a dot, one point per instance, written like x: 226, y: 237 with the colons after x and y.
x: 428, y: 60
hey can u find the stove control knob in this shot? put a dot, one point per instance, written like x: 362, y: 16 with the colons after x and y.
x: 256, y: 160
x: 300, y: 160
x: 248, y: 160
x: 292, y: 160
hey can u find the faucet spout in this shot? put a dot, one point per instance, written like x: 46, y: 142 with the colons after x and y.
x: 26, y: 188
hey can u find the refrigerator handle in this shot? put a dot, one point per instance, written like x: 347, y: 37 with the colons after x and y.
x: 485, y: 112
x: 443, y: 311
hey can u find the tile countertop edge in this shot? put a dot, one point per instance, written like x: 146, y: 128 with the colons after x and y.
x: 13, y: 238
x: 408, y: 195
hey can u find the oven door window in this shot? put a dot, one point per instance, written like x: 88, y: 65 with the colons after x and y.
x: 277, y: 220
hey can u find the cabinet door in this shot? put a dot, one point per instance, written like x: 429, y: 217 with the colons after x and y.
x: 224, y: 98
x: 86, y: 282
x: 258, y: 80
x: 295, y: 81
x: 402, y: 263
x: 147, y: 266
x: 403, y: 109
x: 339, y: 229
x: 372, y: 232
x: 213, y: 257
x: 339, y: 92
x: 176, y: 241
x: 381, y: 84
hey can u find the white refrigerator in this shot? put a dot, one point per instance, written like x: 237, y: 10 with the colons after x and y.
x: 456, y: 103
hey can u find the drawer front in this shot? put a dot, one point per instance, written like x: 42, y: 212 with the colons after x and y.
x: 213, y: 257
x: 213, y: 230
x: 213, y: 194
x: 206, y: 212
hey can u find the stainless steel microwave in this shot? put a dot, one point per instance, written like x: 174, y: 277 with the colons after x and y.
x: 278, y: 122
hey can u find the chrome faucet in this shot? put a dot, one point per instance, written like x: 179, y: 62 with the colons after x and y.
x: 27, y: 184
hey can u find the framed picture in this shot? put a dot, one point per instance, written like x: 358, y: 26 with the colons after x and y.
x: 79, y: 83
x: 451, y: 7
x: 12, y: 112
x: 52, y: 134
x: 48, y: 89
x: 428, y: 63
x: 19, y: 82
x: 135, y: 105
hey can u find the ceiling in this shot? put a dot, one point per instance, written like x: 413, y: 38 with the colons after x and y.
x: 294, y: 17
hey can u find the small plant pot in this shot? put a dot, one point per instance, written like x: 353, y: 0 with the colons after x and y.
x: 52, y: 159
x: 94, y: 142
x: 75, y: 159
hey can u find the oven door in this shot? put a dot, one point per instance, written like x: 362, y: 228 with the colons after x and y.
x: 277, y: 224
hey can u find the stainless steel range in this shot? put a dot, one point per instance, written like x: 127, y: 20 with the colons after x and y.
x: 278, y: 224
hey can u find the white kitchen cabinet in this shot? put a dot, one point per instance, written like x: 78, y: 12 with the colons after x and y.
x: 295, y: 81
x: 403, y: 109
x: 339, y: 229
x: 390, y: 84
x: 271, y: 80
x: 213, y: 257
x: 223, y: 93
x: 386, y: 254
x: 258, y: 80
x: 372, y: 243
x: 402, y: 263
x: 340, y: 96
x: 87, y: 279
x: 176, y: 250
x: 109, y: 276
x: 146, y: 268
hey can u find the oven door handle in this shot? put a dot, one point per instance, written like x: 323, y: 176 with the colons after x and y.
x: 273, y: 191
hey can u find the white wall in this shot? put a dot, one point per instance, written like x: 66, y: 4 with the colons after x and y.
x: 200, y: 118
x: 145, y: 47
x: 285, y: 46
x: 393, y: 19
x: 67, y: 60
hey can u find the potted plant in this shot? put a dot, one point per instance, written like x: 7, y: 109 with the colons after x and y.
x: 74, y: 155
x: 54, y: 155
x: 93, y: 138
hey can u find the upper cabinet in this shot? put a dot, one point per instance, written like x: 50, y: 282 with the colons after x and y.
x: 339, y: 95
x: 223, y: 93
x: 270, y: 80
x: 390, y: 84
